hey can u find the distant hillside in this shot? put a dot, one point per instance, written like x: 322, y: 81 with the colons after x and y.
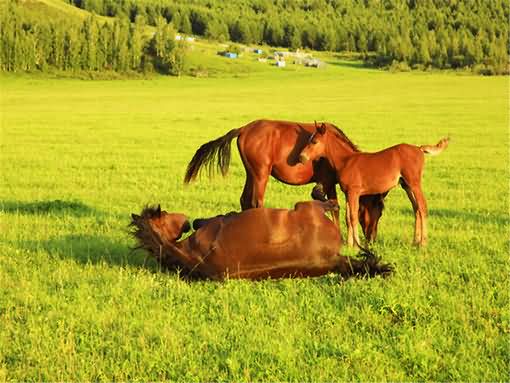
x: 55, y: 9
x: 131, y: 36
x: 437, y: 33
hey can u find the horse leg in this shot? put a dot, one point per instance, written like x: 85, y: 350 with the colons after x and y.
x: 369, y: 213
x: 374, y: 213
x: 352, y: 218
x: 246, y: 197
x: 374, y: 222
x: 327, y: 192
x: 259, y: 188
x: 418, y: 218
x: 332, y: 196
x: 422, y: 211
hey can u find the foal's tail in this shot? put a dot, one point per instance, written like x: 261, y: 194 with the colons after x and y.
x: 367, y: 265
x: 434, y: 150
x: 217, y: 151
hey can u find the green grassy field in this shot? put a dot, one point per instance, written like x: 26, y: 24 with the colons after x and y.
x: 77, y: 157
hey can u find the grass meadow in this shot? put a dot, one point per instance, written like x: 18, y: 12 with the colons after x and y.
x: 77, y: 157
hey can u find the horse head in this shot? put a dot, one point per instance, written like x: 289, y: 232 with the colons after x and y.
x: 154, y: 225
x: 316, y: 145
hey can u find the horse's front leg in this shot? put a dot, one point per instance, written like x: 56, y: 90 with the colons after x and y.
x: 326, y: 192
x: 332, y: 196
x: 352, y: 211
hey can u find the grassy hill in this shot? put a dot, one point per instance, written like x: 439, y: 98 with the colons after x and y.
x: 56, y: 9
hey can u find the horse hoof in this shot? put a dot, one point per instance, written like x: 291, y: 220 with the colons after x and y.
x: 318, y: 193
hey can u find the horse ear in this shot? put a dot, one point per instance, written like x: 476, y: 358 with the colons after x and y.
x: 158, y: 210
x: 321, y: 129
x: 135, y: 217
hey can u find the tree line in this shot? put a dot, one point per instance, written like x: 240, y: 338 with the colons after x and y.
x: 29, y: 42
x: 386, y: 33
x: 421, y: 33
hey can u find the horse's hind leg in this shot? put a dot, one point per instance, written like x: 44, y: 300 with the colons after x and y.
x: 422, y: 210
x: 370, y: 211
x: 254, y: 190
x: 418, y: 210
x: 258, y: 170
x: 259, y: 189
x: 246, y: 197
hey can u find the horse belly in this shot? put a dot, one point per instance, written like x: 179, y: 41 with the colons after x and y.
x: 370, y: 174
x: 298, y: 174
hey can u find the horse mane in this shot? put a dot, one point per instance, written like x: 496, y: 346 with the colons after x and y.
x: 142, y: 231
x: 340, y: 134
x: 151, y: 242
x: 150, y: 212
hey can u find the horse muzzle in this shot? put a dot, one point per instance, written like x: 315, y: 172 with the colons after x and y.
x: 303, y: 158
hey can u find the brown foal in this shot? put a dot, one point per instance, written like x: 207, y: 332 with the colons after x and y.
x: 361, y: 174
x: 253, y: 244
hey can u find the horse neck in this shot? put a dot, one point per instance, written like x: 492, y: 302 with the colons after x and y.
x: 337, y: 150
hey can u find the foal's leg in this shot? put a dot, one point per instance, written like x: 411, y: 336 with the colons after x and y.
x: 352, y: 218
x: 417, y: 215
x: 370, y: 211
x: 375, y: 215
x: 422, y: 211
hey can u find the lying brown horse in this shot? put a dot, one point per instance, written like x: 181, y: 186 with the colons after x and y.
x: 270, y: 147
x: 362, y: 174
x: 254, y: 244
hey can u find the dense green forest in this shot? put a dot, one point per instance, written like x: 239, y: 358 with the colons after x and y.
x: 29, y: 42
x: 437, y: 33
x: 400, y: 33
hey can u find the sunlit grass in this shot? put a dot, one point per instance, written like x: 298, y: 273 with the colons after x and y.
x: 76, y: 304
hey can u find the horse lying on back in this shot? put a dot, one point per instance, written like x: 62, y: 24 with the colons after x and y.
x: 253, y: 244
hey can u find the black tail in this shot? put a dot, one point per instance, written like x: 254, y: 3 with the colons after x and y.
x: 217, y: 151
x: 367, y: 265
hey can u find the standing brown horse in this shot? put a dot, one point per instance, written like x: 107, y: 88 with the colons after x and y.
x: 253, y: 244
x: 362, y: 174
x: 270, y: 147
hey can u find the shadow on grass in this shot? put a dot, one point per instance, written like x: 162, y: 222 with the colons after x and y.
x: 91, y: 249
x: 348, y: 64
x: 473, y: 216
x: 82, y: 248
x: 55, y: 207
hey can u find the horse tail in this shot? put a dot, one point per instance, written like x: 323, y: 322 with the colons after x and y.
x: 368, y: 264
x: 217, y: 151
x: 434, y: 150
